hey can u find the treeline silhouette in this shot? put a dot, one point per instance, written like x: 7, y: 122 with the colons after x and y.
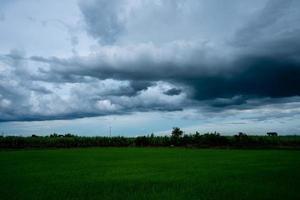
x: 176, y: 139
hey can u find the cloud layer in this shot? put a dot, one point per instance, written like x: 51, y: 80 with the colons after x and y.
x: 160, y: 55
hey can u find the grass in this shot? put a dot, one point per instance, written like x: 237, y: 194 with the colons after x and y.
x: 149, y: 173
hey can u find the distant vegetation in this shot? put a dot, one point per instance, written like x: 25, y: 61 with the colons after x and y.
x: 177, y: 138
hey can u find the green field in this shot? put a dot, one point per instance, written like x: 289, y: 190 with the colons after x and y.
x: 149, y: 173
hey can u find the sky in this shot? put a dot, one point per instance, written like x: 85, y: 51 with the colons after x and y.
x: 145, y: 66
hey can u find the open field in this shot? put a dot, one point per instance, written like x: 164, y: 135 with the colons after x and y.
x: 149, y: 173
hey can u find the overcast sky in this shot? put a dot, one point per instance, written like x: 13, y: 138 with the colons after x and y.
x: 144, y: 66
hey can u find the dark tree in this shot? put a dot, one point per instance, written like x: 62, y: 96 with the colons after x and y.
x: 177, y: 133
x: 272, y: 134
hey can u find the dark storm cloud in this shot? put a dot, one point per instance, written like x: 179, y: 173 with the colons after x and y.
x: 173, y: 91
x: 162, y: 65
x: 137, y: 86
x: 248, y: 75
x: 255, y: 77
x: 227, y: 102
x: 265, y: 62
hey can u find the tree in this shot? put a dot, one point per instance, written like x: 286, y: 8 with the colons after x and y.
x: 272, y: 134
x: 177, y: 133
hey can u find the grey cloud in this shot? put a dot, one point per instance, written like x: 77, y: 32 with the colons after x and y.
x: 2, y: 17
x: 163, y: 65
x: 226, y: 102
x: 173, y: 91
x: 102, y: 19
x: 272, y: 13
x: 232, y: 87
x: 247, y: 75
x: 255, y: 77
x: 3, y: 5
x: 268, y: 66
x: 145, y: 62
x: 277, y: 21
x: 24, y: 97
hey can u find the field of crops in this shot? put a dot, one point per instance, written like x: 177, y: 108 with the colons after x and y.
x: 149, y: 173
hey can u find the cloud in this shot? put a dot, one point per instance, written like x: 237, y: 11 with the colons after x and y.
x: 2, y: 17
x: 103, y: 21
x: 162, y: 56
x: 3, y: 5
x: 276, y: 20
x: 206, y: 74
x: 26, y: 97
x: 173, y: 91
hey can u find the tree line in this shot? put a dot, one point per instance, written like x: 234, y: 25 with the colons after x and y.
x: 177, y: 138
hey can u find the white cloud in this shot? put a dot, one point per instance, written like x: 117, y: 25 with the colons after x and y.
x: 106, y: 105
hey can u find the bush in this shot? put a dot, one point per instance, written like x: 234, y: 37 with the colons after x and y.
x: 241, y: 140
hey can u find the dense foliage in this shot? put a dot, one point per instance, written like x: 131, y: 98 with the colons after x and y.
x: 177, y: 138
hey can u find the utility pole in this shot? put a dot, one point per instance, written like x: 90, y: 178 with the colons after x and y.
x: 109, y: 131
